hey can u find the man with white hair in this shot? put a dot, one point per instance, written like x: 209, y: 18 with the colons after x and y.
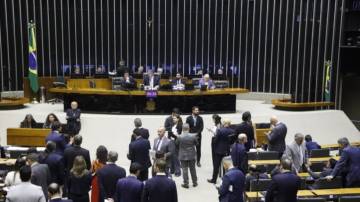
x: 238, y: 153
x: 233, y: 183
x: 206, y: 81
x: 277, y: 136
x: 297, y: 152
x: 221, y: 148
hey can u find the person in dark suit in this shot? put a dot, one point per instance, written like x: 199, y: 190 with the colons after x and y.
x: 40, y: 173
x: 56, y: 137
x: 139, y: 153
x: 221, y: 148
x: 187, y: 155
x: 163, y: 145
x: 55, y: 163
x: 285, y: 185
x: 254, y: 174
x: 151, y: 80
x: 55, y: 195
x: 128, y: 82
x: 169, y: 120
x: 178, y: 83
x: 330, y: 165
x: 79, y: 181
x: 246, y: 127
x: 196, y: 124
x: 160, y: 187
x: 276, y: 136
x: 174, y: 131
x: 233, y: 183
x: 108, y: 177
x: 76, y: 150
x: 129, y: 189
x: 310, y: 145
x: 350, y: 159
x: 143, y: 132
x: 238, y: 153
x: 73, y: 119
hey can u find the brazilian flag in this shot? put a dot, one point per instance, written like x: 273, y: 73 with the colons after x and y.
x: 33, y: 72
x: 328, y: 81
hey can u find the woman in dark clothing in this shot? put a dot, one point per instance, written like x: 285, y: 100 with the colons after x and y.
x: 50, y: 119
x: 174, y: 131
x: 28, y: 122
x: 79, y: 181
x: 217, y: 124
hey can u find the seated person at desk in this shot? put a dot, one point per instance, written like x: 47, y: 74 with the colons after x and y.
x: 327, y: 170
x: 151, y: 81
x: 206, y: 81
x: 50, y: 119
x: 128, y: 81
x: 100, y: 70
x: 310, y: 145
x: 178, y: 83
x: 28, y: 122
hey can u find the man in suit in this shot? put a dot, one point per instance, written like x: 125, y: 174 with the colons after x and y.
x: 196, y: 124
x: 350, y: 159
x: 178, y: 83
x: 55, y: 163
x: 143, y: 132
x: 57, y: 138
x: 151, y: 80
x: 108, y: 177
x: 247, y: 128
x: 160, y: 187
x: 25, y: 191
x: 276, y: 136
x: 73, y: 119
x: 164, y: 146
x: 238, y: 153
x: 310, y: 145
x: 285, y: 185
x: 55, y: 194
x: 233, y: 183
x: 129, y: 189
x: 297, y: 152
x: 187, y: 155
x: 76, y: 150
x: 128, y: 82
x: 206, y: 81
x: 139, y: 153
x: 40, y: 174
x: 221, y: 148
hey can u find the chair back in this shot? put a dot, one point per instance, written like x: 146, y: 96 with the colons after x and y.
x: 260, y: 184
x: 315, y: 153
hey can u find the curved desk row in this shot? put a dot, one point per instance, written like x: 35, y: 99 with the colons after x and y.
x: 6, y: 103
x: 287, y: 104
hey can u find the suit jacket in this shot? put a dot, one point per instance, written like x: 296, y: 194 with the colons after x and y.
x: 108, y: 177
x: 130, y: 84
x: 156, y: 81
x: 350, y: 159
x: 175, y: 82
x: 199, y: 127
x: 55, y: 163
x: 239, y: 156
x: 160, y: 188
x: 292, y: 152
x: 187, y: 146
x: 60, y: 200
x: 167, y: 147
x: 139, y: 152
x: 312, y: 145
x: 221, y: 140
x: 168, y: 123
x: 59, y: 140
x: 25, y: 192
x: 79, y: 185
x: 40, y: 175
x: 178, y: 130
x: 248, y: 129
x: 142, y: 131
x: 129, y: 189
x: 276, y: 138
x: 232, y: 187
x: 71, y: 152
x: 210, y: 84
x: 283, y: 188
x: 73, y: 121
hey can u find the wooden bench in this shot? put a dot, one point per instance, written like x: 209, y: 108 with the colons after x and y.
x: 336, y: 146
x: 29, y: 137
x: 275, y: 162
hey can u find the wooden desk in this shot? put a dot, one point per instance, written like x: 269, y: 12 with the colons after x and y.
x: 7, y: 161
x: 30, y: 137
x: 260, y: 136
x: 6, y: 103
x: 301, y: 193
x: 288, y: 105
x: 275, y: 162
x: 339, y: 192
x: 336, y: 146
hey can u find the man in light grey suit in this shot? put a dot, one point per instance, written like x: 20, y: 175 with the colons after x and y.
x: 25, y: 191
x: 297, y: 152
x: 40, y: 173
x: 187, y: 155
x: 277, y: 136
x: 165, y: 147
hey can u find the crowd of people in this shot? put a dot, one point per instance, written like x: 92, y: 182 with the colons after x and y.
x: 65, y: 169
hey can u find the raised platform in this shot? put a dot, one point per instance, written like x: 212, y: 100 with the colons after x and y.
x: 10, y: 103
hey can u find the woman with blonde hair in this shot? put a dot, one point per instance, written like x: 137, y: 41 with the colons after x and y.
x: 79, y: 182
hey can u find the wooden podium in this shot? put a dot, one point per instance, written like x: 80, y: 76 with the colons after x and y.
x: 29, y: 137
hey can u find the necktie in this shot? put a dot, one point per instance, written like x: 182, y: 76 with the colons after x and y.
x: 157, y: 145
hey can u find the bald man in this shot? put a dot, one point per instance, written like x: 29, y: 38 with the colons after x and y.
x: 162, y: 145
x: 238, y: 153
x: 276, y: 136
x: 73, y: 119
